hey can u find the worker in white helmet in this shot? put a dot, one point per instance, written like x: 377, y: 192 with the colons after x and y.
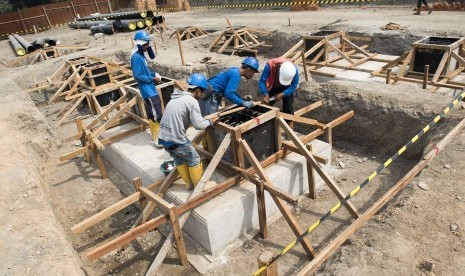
x: 278, y: 81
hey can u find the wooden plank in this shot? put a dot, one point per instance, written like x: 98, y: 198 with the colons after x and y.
x: 459, y: 59
x: 287, y: 215
x: 99, y: 161
x: 75, y: 105
x: 303, y: 120
x: 293, y: 49
x: 440, y: 68
x: 120, y: 113
x: 177, y: 234
x: 340, y: 52
x: 62, y: 87
x: 289, y: 145
x: 308, y: 108
x: 137, y: 181
x: 107, y: 111
x: 218, y: 38
x: 264, y: 259
x: 358, y: 49
x: 197, y: 190
x: 311, y: 178
x: 163, y: 204
x: 378, y: 205
x: 403, y: 68
x: 107, y: 212
x: 75, y: 153
x: 331, y: 184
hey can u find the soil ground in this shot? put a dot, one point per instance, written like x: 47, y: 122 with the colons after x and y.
x: 416, y: 226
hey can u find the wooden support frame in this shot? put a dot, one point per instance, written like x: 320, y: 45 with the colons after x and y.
x: 243, y: 41
x: 189, y: 32
x: 262, y: 182
x: 451, y: 64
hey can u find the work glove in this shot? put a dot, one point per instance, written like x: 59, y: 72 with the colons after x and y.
x: 248, y: 104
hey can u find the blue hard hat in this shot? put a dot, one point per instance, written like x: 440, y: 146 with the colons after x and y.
x: 252, y: 62
x: 142, y: 35
x: 198, y: 80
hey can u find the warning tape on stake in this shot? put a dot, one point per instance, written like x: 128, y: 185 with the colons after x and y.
x: 365, y: 182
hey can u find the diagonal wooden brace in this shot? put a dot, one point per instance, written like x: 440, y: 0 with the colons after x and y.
x: 331, y: 184
x: 281, y: 205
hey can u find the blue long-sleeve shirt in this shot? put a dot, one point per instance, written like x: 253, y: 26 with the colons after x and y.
x: 143, y: 75
x: 227, y: 83
x: 287, y: 92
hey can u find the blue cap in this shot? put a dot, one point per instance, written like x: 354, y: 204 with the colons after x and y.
x: 252, y: 62
x: 142, y: 35
x: 198, y: 80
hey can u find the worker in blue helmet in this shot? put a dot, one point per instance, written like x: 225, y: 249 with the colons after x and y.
x: 225, y: 84
x: 182, y: 111
x: 147, y: 79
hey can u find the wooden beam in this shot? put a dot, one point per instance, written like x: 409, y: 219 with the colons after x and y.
x: 286, y: 213
x: 163, y: 204
x: 308, y: 108
x: 331, y: 184
x: 391, y: 193
x: 197, y: 190
x: 440, y: 68
x: 340, y: 52
x: 303, y: 120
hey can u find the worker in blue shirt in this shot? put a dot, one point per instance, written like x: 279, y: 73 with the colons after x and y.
x: 147, y: 79
x: 278, y: 81
x: 225, y: 84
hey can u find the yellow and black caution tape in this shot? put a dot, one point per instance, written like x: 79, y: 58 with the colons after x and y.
x: 270, y: 4
x: 365, y: 182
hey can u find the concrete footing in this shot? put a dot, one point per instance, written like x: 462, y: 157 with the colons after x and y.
x: 223, y: 223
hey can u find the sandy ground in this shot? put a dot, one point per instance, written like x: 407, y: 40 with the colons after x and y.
x: 417, y: 225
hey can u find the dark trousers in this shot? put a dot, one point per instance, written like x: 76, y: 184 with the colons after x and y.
x: 153, y: 103
x: 287, y: 101
x: 422, y: 1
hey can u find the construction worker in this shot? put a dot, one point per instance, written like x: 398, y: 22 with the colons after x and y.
x: 182, y: 111
x: 279, y: 80
x: 428, y: 6
x: 147, y: 80
x: 225, y: 84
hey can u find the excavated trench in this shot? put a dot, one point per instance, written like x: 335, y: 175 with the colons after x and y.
x: 386, y: 117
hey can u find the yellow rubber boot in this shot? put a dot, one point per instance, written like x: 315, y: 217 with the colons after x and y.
x: 196, y: 173
x: 154, y: 129
x: 183, y: 171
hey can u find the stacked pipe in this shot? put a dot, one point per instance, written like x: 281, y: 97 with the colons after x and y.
x: 123, y: 21
x: 19, y: 50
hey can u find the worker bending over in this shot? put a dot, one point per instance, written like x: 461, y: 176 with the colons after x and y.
x: 182, y: 111
x: 147, y: 80
x: 279, y: 80
x: 225, y: 84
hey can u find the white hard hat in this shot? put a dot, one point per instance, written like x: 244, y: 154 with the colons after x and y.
x: 287, y: 72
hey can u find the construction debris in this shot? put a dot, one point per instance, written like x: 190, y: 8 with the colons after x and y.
x: 393, y: 27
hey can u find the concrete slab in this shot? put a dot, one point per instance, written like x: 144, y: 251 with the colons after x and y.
x: 225, y: 222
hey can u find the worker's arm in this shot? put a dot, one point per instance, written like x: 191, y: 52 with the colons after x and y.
x: 231, y: 88
x: 137, y: 66
x: 196, y: 117
x: 291, y: 89
x: 263, y: 78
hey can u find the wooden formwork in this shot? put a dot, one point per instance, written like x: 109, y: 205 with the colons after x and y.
x: 324, y: 48
x: 188, y: 33
x: 45, y: 54
x: 241, y: 42
x: 432, y: 61
x: 85, y: 80
x: 151, y: 196
x: 129, y: 107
